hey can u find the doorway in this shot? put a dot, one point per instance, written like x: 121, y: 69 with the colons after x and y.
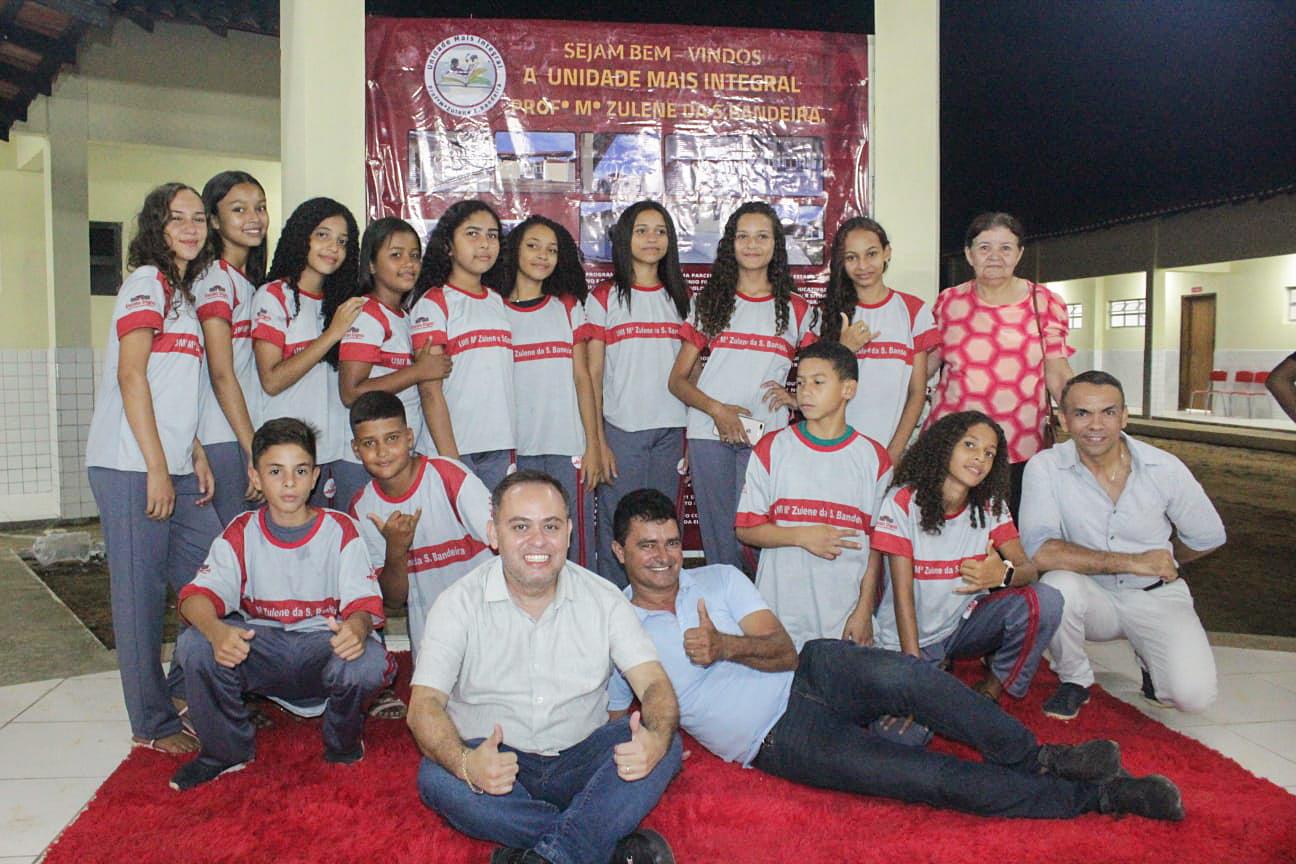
x: 1196, y: 345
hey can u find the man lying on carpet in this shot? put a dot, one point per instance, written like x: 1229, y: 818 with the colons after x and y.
x: 265, y: 610
x: 1110, y: 519
x: 509, y: 701
x: 748, y: 697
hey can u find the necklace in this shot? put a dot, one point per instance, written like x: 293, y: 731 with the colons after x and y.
x: 1120, y: 463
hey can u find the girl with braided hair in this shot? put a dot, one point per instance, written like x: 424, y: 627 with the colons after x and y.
x: 752, y: 321
x: 299, y: 317
x: 961, y: 584
x: 889, y: 331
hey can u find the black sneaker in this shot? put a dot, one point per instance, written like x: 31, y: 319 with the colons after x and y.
x: 1090, y: 762
x: 1153, y: 797
x: 644, y: 846
x: 199, y: 771
x: 347, y: 757
x: 1149, y: 692
x: 509, y: 855
x: 1066, y: 701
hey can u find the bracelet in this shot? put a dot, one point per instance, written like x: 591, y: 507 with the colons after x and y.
x: 463, y: 764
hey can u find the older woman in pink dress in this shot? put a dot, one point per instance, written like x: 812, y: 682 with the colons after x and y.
x: 1003, y: 343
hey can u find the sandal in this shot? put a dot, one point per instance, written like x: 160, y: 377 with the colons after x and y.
x: 173, y: 745
x: 387, y: 706
x: 182, y: 710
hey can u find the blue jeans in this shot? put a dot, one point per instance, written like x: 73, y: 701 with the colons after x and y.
x: 571, y: 808
x: 839, y: 688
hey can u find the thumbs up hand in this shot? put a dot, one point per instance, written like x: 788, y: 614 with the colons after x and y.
x: 704, y: 644
x: 489, y: 769
x: 980, y: 574
x: 636, y: 758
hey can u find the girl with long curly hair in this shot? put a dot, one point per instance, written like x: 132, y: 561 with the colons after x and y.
x: 557, y: 420
x: 377, y: 353
x: 961, y: 584
x: 636, y: 318
x: 301, y: 314
x: 753, y: 322
x: 148, y: 472
x: 231, y: 392
x: 453, y: 310
x: 890, y: 333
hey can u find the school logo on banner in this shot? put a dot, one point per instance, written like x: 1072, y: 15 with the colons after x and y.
x: 464, y: 75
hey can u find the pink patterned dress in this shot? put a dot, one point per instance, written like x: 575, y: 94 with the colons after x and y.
x: 992, y: 360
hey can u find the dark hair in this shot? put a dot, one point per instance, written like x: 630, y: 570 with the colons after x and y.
x: 568, y: 276
x: 437, y: 265
x: 521, y: 477
x: 213, y: 193
x: 668, y: 268
x: 715, y: 305
x: 840, y: 294
x: 1097, y: 378
x: 149, y: 245
x: 371, y: 244
x: 294, y: 245
x: 842, y: 358
x: 647, y: 504
x: 376, y: 405
x: 926, y: 464
x: 284, y: 430
x: 986, y: 221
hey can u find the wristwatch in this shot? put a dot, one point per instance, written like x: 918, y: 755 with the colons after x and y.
x: 1009, y: 569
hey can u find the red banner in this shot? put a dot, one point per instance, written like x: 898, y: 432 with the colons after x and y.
x: 577, y: 120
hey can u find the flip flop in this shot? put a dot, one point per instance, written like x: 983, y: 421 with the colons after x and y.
x: 387, y: 706
x: 156, y: 745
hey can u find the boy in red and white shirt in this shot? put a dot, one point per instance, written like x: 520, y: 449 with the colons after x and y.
x: 285, y: 605
x: 809, y: 501
x: 423, y: 518
x: 961, y: 584
x: 474, y: 330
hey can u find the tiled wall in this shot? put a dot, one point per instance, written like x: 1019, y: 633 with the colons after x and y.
x: 46, y: 401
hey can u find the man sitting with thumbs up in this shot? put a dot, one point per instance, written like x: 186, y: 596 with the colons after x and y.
x: 749, y: 697
x: 284, y: 606
x: 509, y: 704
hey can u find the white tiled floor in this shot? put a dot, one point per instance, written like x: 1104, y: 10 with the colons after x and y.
x: 60, y: 739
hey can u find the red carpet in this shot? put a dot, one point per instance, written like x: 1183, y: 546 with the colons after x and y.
x: 290, y: 806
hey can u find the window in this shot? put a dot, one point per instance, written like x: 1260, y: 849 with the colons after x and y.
x: 1127, y: 313
x: 105, y: 258
x: 1291, y: 304
x: 1075, y: 316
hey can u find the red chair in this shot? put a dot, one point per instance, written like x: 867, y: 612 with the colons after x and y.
x: 1255, y: 389
x: 1218, y: 377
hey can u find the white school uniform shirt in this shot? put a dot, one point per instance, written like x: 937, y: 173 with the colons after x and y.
x: 223, y: 292
x: 548, y: 414
x: 936, y: 559
x: 449, y: 539
x: 147, y: 301
x: 474, y: 330
x: 295, y: 586
x: 902, y: 326
x: 291, y: 327
x: 745, y: 355
x: 380, y: 336
x: 794, y: 480
x: 641, y: 344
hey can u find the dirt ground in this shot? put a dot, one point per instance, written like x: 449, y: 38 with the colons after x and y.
x: 1249, y: 586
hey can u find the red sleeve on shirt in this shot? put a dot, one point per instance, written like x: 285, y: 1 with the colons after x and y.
x: 750, y: 520
x: 1003, y: 533
x: 690, y: 334
x: 144, y: 319
x: 891, y: 544
x: 359, y: 352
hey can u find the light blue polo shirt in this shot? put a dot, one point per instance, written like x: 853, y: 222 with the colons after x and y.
x: 727, y: 707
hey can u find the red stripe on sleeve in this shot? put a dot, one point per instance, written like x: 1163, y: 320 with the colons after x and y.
x: 892, y: 545
x: 689, y: 333
x: 359, y: 352
x: 192, y: 590
x: 749, y: 520
x: 144, y: 319
x: 1004, y: 532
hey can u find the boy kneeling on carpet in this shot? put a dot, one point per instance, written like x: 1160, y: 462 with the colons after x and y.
x: 748, y: 696
x: 285, y: 605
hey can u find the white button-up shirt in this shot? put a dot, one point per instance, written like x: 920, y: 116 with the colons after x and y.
x: 544, y: 680
x: 1062, y: 500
